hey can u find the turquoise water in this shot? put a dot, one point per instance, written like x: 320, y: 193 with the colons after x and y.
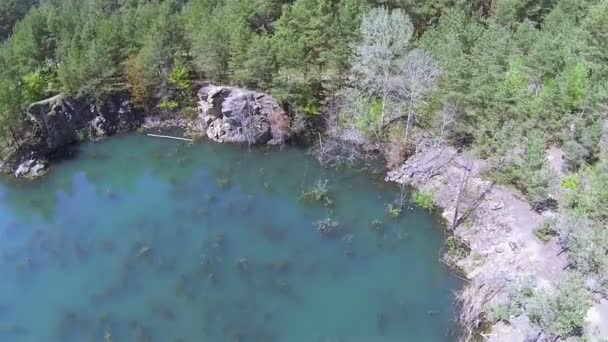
x: 144, y: 239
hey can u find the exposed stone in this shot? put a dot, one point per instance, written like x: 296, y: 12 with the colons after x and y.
x: 225, y: 115
x: 499, y: 226
x: 59, y: 121
x: 31, y: 168
x: 235, y: 115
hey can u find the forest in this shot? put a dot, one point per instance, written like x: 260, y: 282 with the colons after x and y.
x: 505, y: 78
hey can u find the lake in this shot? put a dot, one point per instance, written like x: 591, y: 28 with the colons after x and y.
x: 145, y: 239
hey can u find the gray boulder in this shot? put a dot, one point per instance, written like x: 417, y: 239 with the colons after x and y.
x: 236, y: 115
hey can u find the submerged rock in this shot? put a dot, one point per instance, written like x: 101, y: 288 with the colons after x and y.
x: 236, y: 115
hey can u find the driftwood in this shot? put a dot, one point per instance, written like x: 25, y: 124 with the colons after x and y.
x: 169, y: 137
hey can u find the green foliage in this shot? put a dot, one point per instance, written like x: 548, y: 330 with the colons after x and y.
x: 368, y: 118
x: 591, y: 197
x: 180, y: 77
x: 546, y: 231
x: 424, y: 199
x: 530, y: 171
x: 319, y: 192
x: 35, y: 85
x: 519, y: 295
x: 562, y: 311
x: 571, y: 182
x: 169, y: 105
x: 394, y: 210
x: 587, y: 243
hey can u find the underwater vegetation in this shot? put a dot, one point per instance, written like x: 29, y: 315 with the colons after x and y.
x: 201, y: 249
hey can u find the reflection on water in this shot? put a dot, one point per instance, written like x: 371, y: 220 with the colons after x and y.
x: 140, y: 239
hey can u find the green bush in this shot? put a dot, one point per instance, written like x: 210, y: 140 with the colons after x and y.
x: 180, y: 77
x: 519, y: 295
x: 424, y: 199
x: 169, y: 105
x: 394, y: 210
x: 546, y: 231
x: 562, y: 312
x: 35, y: 85
x: 571, y: 182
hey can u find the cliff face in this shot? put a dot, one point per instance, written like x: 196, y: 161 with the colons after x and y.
x: 57, y: 122
x: 237, y: 115
x: 225, y: 115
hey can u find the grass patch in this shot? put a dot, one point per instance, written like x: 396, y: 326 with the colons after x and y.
x: 424, y: 199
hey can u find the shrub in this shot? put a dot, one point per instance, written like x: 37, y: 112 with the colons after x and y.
x: 575, y: 154
x: 587, y: 243
x: 562, y: 312
x: 546, y: 230
x: 424, y: 199
x: 180, y: 77
x: 519, y: 295
x: 35, y: 85
x: 169, y: 105
x: 571, y: 182
x: 499, y: 312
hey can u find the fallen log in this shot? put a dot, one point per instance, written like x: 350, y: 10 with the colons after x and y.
x: 169, y: 137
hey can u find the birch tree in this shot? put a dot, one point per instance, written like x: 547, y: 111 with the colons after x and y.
x: 385, y: 37
x: 415, y: 75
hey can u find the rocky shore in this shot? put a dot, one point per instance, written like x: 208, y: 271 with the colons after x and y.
x: 223, y: 114
x: 497, y: 226
x: 494, y: 246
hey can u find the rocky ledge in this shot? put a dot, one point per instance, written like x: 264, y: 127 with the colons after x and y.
x: 224, y: 114
x: 497, y: 227
x: 236, y: 115
x: 58, y: 122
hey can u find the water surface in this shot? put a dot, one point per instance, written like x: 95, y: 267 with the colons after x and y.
x: 144, y: 239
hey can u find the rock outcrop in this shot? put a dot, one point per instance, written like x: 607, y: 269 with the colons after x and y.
x: 236, y: 115
x: 55, y: 123
x: 498, y: 228
x: 225, y: 115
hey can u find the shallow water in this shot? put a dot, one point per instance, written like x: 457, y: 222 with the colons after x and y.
x: 144, y: 239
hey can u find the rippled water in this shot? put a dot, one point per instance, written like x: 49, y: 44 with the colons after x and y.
x: 144, y: 239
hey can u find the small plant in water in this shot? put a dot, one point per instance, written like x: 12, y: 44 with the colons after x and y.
x: 377, y: 226
x: 424, y: 199
x: 223, y: 183
x: 327, y: 226
x: 394, y: 210
x: 318, y: 193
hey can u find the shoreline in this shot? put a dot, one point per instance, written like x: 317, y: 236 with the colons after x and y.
x: 493, y: 223
x: 496, y: 225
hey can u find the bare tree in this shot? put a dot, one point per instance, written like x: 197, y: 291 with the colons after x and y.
x: 416, y: 75
x: 469, y: 196
x: 385, y: 36
x: 445, y: 121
